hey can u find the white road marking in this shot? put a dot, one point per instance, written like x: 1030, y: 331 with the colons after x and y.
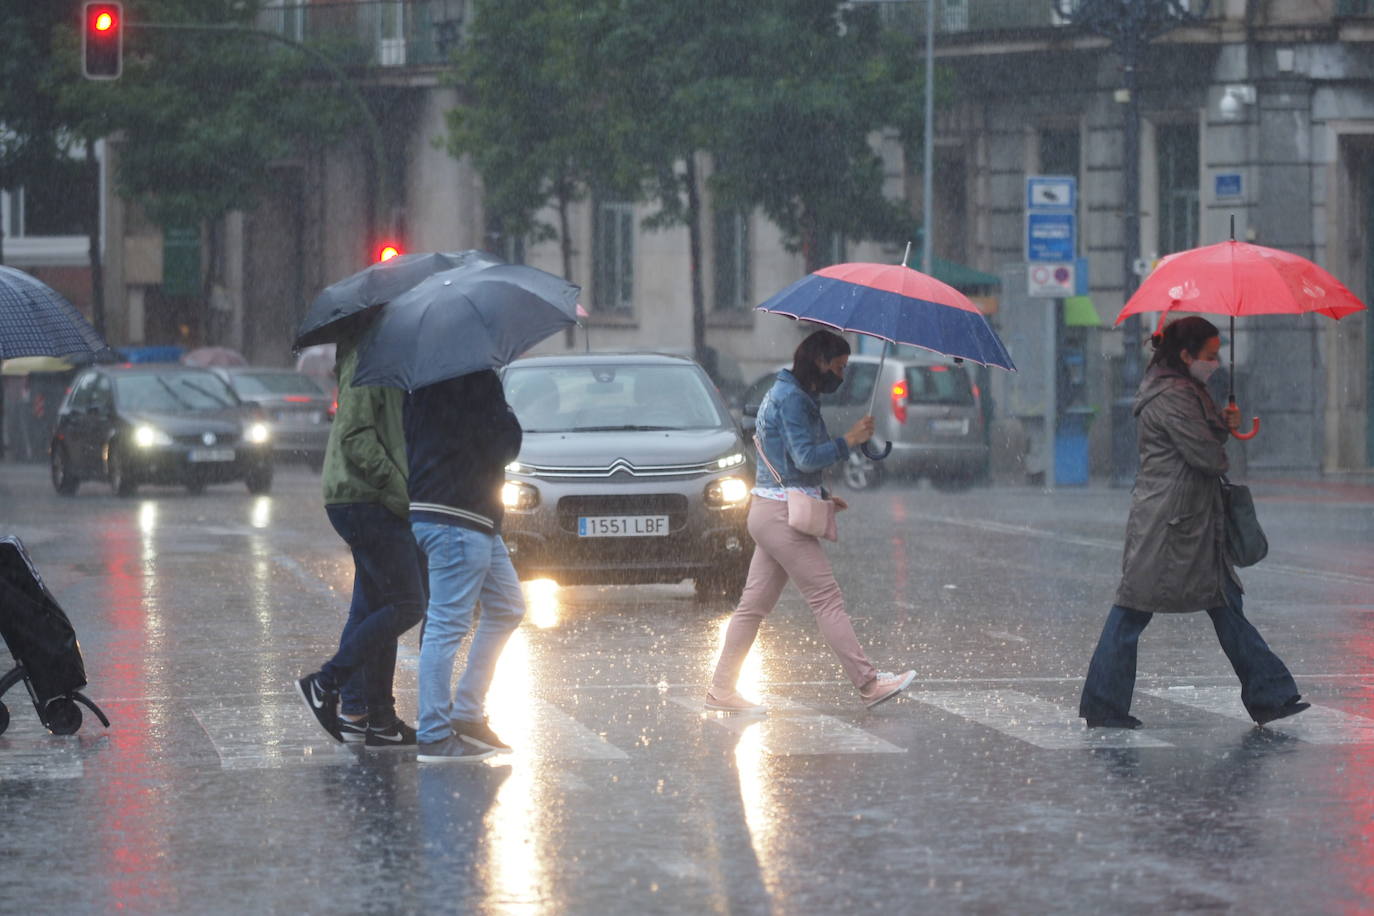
x: 549, y: 733
x: 1318, y: 725
x: 267, y: 735
x: 47, y: 757
x: 791, y: 729
x: 1030, y: 719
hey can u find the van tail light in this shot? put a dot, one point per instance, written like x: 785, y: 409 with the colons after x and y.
x: 899, y: 393
x: 333, y: 408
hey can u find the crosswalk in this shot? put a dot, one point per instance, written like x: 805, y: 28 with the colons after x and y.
x: 277, y: 731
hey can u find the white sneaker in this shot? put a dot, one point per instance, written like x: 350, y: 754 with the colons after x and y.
x: 886, y: 686
x: 731, y: 701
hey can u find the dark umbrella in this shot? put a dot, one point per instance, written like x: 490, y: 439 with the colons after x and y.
x: 374, y: 285
x: 461, y: 321
x: 36, y: 321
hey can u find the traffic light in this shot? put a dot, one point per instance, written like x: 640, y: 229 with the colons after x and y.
x: 388, y: 250
x: 102, y: 40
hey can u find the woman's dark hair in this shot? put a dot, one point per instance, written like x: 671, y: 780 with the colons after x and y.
x: 822, y: 346
x: 1191, y: 334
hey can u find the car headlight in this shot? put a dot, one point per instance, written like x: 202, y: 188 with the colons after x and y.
x: 149, y: 436
x: 257, y: 433
x: 733, y: 460
x: 519, y: 496
x: 726, y: 491
x: 516, y: 467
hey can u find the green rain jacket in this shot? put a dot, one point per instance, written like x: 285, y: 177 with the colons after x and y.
x: 365, y: 461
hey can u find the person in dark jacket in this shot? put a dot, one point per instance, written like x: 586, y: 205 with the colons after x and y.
x: 365, y: 497
x: 460, y: 435
x: 1175, y: 556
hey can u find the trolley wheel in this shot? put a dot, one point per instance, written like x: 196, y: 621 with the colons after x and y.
x: 62, y: 716
x: 4, y: 718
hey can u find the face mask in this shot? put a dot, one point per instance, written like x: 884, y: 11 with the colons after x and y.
x: 829, y: 382
x: 1202, y: 369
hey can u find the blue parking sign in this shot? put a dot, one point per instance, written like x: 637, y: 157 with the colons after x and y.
x: 1050, y: 237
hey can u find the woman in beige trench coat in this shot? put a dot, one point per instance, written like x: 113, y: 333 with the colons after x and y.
x: 1175, y: 558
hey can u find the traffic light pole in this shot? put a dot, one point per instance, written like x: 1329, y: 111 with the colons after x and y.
x: 381, y: 205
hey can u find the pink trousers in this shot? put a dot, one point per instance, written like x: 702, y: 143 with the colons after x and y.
x: 781, y: 553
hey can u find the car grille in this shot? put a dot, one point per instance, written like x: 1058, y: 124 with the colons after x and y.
x: 673, y: 505
x: 194, y: 440
x: 618, y: 466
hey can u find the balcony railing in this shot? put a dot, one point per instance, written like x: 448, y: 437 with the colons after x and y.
x: 954, y: 17
x: 377, y: 33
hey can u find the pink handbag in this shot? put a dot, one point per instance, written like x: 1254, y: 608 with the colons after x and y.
x: 806, y: 514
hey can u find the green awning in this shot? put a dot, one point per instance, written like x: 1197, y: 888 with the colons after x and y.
x: 1079, y: 312
x: 961, y: 277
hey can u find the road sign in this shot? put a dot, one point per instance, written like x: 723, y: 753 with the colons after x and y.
x: 1050, y: 237
x: 1051, y: 192
x: 1052, y: 281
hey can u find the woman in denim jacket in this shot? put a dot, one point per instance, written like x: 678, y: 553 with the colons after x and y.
x: 795, y: 442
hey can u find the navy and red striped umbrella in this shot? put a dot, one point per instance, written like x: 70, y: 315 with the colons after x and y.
x: 896, y: 304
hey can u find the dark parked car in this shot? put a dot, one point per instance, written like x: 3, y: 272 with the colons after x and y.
x: 632, y: 471
x: 299, y: 409
x: 132, y: 424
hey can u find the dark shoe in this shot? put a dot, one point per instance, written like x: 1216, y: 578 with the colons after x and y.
x: 397, y: 734
x: 1263, y: 716
x: 479, y: 734
x: 451, y: 750
x: 322, y: 702
x: 353, y: 730
x: 1115, y: 722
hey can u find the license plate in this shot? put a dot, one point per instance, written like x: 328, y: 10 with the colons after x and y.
x: 949, y: 427
x: 622, y: 526
x: 211, y: 454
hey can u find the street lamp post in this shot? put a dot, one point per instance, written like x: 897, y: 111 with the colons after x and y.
x: 1129, y: 25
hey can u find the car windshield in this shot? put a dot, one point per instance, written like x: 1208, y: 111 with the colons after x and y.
x: 173, y: 391
x: 274, y: 384
x: 605, y: 397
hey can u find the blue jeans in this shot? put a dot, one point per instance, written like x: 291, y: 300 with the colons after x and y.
x: 388, y: 599
x: 465, y: 566
x: 1264, y: 679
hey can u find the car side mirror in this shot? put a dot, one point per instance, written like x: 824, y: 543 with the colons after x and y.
x: 749, y: 424
x: 750, y: 409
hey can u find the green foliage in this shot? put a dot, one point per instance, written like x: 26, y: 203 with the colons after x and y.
x: 615, y: 95
x: 200, y: 117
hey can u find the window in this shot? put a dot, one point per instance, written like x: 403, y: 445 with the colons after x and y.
x: 1176, y: 149
x: 731, y: 260
x: 59, y: 202
x: 613, y: 250
x: 1059, y: 152
x: 586, y: 398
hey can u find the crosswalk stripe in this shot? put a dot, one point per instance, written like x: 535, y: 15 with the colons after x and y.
x: 792, y: 730
x: 547, y: 732
x: 1032, y: 720
x: 268, y: 735
x: 1318, y: 725
x: 24, y: 759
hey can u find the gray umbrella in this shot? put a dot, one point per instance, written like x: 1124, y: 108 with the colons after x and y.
x: 460, y: 321
x: 374, y: 285
x: 36, y: 321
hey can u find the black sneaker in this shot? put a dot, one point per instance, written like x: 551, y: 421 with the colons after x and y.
x: 450, y: 750
x: 1130, y: 722
x: 479, y: 734
x: 353, y: 730
x: 397, y: 734
x: 323, y: 703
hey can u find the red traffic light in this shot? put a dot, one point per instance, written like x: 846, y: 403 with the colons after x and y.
x: 387, y: 251
x: 102, y: 40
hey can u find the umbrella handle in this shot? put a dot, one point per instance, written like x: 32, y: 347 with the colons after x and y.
x: 1254, y: 423
x: 887, y: 450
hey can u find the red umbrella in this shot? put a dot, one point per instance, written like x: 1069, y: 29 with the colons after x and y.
x: 1237, y: 278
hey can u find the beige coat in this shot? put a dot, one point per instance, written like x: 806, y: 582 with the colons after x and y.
x: 1175, y: 559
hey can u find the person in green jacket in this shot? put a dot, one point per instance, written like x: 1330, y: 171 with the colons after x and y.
x: 367, y: 502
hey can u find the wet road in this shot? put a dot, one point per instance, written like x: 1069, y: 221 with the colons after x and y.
x: 980, y: 793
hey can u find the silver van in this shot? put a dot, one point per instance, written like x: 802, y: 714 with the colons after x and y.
x: 928, y: 407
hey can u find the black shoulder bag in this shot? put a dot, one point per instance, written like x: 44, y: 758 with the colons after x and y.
x: 1245, y: 541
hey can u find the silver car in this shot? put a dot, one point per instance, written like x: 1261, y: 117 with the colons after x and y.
x: 300, y: 409
x: 928, y: 408
x: 632, y: 471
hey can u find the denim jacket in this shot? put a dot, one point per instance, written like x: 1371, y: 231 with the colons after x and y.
x: 793, y: 434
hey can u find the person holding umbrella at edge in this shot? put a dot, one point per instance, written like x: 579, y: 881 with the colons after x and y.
x: 1175, y: 559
